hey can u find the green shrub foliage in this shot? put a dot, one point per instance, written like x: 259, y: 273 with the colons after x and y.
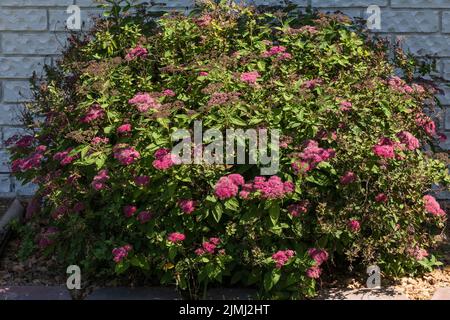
x: 356, y: 168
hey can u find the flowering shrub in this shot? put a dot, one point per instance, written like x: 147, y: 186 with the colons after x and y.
x: 356, y: 167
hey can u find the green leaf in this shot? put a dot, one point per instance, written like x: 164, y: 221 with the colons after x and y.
x: 217, y: 211
x: 274, y: 212
x: 173, y: 252
x: 271, y: 278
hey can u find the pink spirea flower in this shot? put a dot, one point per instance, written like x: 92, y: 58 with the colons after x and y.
x: 95, y: 112
x: 99, y: 181
x: 432, y: 206
x: 311, y: 156
x: 237, y: 179
x: 199, y: 252
x: 46, y: 237
x: 142, y: 181
x: 209, y: 247
x: 426, y: 123
x: 99, y: 140
x: 354, y: 225
x: 314, y: 272
x: 31, y: 162
x: 121, y: 253
x: 129, y: 211
x: 225, y: 188
x: 125, y: 154
x: 144, y: 101
x: 410, y: 142
x: 137, y: 52
x: 250, y: 77
x: 203, y: 74
x: 79, y: 207
x: 272, y: 188
x: 381, y: 197
x: 348, y: 177
x: 418, y: 253
x: 163, y: 159
x: 279, y: 52
x: 214, y: 240
x: 297, y: 209
x: 384, y: 148
x: 169, y: 93
x: 346, y: 106
x: 282, y: 257
x: 176, y: 237
x: 318, y: 255
x: 24, y: 142
x: 311, y: 84
x: 64, y: 158
x: 144, y: 217
x: 125, y: 128
x: 204, y: 20
x: 187, y: 205
x: 442, y: 136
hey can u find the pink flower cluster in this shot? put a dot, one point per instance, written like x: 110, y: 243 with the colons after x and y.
x: 250, y: 77
x: 426, y: 123
x: 187, y: 205
x: 144, y: 101
x: 169, y: 93
x: 279, y: 52
x: 129, y: 211
x: 121, y: 253
x: 124, y: 128
x: 45, y: 239
x: 311, y: 156
x: 24, y: 142
x: 228, y: 186
x: 64, y: 158
x: 144, y: 217
x: 142, y: 181
x: 273, y: 188
x: 385, y: 148
x: 346, y: 106
x: 417, y: 253
x: 137, y: 52
x: 311, y: 84
x: 314, y: 272
x: 204, y: 20
x: 282, y: 257
x: 297, y: 209
x: 31, y: 162
x: 125, y: 154
x: 410, y: 142
x: 354, y: 225
x: 381, y: 197
x: 318, y: 255
x: 99, y: 140
x: 432, y: 206
x: 99, y: 181
x: 348, y: 178
x: 164, y: 159
x: 400, y: 85
x: 176, y: 237
x: 208, y: 247
x: 95, y: 112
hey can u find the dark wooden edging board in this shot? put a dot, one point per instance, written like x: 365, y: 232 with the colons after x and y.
x: 15, y: 211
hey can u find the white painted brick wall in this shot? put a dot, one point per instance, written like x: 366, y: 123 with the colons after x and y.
x: 32, y: 34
